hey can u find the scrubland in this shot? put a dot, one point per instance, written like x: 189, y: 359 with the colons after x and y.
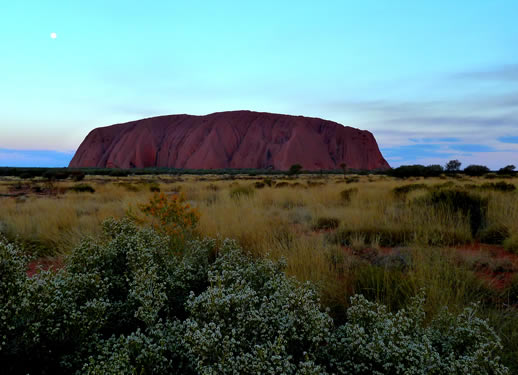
x: 453, y: 239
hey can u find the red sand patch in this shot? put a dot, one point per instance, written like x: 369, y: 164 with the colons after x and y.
x: 45, y: 264
x: 492, y: 262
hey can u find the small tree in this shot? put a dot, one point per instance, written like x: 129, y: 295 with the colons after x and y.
x: 453, y: 166
x: 295, y: 169
x: 508, y: 170
x: 344, y: 168
x: 169, y: 215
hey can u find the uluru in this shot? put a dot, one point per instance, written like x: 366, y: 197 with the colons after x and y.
x: 235, y: 139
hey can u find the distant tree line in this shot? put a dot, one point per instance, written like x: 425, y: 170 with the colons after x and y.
x: 452, y: 167
x: 64, y: 173
x: 417, y: 170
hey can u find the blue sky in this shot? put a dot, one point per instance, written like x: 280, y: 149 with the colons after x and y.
x: 433, y: 80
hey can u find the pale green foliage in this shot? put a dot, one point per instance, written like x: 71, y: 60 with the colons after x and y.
x: 375, y: 341
x: 12, y: 285
x: 252, y: 319
x: 126, y: 305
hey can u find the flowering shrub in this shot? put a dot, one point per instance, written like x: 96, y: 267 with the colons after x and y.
x: 124, y: 304
x: 252, y: 319
x: 13, y: 281
x: 170, y: 215
x: 375, y: 341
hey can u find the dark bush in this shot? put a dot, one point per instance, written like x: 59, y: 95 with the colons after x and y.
x: 324, y: 223
x: 416, y: 170
x: 241, y: 192
x: 493, y: 234
x: 452, y: 166
x: 507, y: 171
x: 37, y: 189
x: 77, y: 175
x: 498, y: 186
x: 26, y: 175
x: 469, y: 204
x: 347, y: 194
x: 259, y: 185
x: 383, y: 236
x: 316, y: 183
x: 294, y: 170
x: 118, y: 173
x: 82, y: 188
x: 476, y: 170
x: 154, y: 187
x: 511, y: 243
x: 268, y: 181
x: 129, y: 187
x: 402, y: 191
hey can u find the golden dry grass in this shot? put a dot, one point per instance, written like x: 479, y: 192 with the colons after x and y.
x: 268, y: 220
x: 273, y: 221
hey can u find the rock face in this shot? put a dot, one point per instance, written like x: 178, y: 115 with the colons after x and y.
x: 238, y: 139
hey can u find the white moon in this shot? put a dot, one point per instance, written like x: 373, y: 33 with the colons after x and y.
x: 53, y: 35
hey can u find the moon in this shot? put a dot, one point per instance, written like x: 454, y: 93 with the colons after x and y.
x: 53, y: 35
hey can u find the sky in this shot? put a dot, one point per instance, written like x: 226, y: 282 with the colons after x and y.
x: 432, y: 80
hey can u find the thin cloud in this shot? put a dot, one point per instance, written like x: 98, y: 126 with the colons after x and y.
x: 472, y: 148
x: 499, y: 73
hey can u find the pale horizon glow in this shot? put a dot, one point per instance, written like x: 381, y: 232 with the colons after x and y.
x: 432, y: 81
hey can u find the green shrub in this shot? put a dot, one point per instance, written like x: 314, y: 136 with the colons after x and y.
x: 469, y: 204
x: 507, y: 171
x: 316, y: 183
x: 324, y: 223
x: 511, y: 243
x: 241, y: 192
x: 154, y: 187
x: 268, y: 181
x: 37, y: 189
x: 347, y: 194
x: 252, y: 319
x: 499, y: 186
x: 376, y: 341
x: 352, y: 180
x: 82, y: 188
x: 282, y: 184
x: 77, y: 175
x: 493, y: 234
x: 108, y: 291
x: 13, y: 284
x: 124, y: 304
x: 294, y: 170
x: 118, y: 173
x: 26, y: 175
x: 130, y: 187
x: 402, y: 191
x: 476, y: 170
x: 382, y: 236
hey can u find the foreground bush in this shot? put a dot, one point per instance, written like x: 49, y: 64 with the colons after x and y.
x: 126, y: 305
